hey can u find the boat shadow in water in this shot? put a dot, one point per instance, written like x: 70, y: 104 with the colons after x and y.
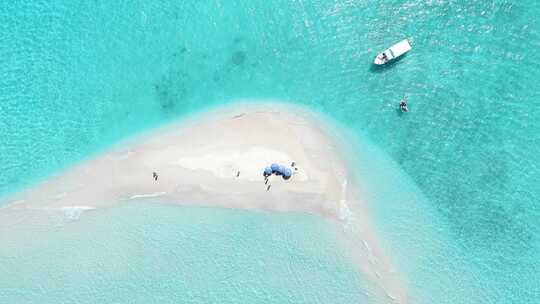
x: 399, y: 112
x: 385, y: 67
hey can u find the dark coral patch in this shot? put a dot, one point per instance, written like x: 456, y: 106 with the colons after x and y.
x: 170, y: 91
x: 238, y: 57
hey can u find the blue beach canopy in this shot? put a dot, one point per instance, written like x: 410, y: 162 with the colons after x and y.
x: 286, y: 172
x: 274, y: 167
x: 267, y: 170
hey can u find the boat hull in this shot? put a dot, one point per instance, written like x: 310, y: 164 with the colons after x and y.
x: 395, y: 51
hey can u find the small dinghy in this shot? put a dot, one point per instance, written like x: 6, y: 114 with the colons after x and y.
x: 393, y: 52
x: 403, y: 106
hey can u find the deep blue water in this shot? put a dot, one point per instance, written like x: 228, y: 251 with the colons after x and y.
x: 77, y: 78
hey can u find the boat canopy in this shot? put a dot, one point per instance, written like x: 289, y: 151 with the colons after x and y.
x: 400, y: 48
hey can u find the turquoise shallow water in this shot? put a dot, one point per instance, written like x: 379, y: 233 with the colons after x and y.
x: 76, y: 78
x: 167, y: 254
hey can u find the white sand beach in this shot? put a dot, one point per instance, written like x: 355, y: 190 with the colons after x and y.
x: 197, y: 163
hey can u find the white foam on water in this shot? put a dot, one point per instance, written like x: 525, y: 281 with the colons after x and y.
x: 147, y: 195
x: 344, y: 210
x: 74, y: 212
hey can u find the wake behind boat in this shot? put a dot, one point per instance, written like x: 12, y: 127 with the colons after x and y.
x: 393, y: 52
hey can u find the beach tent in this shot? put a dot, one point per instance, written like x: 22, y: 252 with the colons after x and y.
x: 274, y: 167
x: 267, y: 171
x: 286, y: 172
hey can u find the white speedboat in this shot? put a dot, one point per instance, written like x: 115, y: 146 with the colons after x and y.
x: 393, y: 52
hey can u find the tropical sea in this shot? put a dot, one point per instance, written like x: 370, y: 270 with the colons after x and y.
x: 77, y: 78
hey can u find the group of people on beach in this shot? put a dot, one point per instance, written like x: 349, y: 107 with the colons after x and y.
x: 266, y: 175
